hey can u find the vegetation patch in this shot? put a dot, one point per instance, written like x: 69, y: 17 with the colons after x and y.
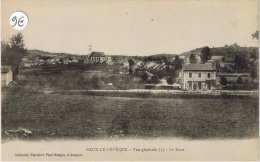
x: 92, y: 117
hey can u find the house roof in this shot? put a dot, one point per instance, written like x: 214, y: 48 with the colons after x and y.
x: 97, y: 54
x: 149, y: 74
x: 198, y: 67
x: 5, y: 69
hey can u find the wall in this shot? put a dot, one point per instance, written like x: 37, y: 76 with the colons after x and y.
x: 204, y: 75
x: 6, y: 78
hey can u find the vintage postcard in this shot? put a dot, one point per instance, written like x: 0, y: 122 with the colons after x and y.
x: 127, y: 80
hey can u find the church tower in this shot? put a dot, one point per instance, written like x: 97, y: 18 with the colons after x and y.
x: 89, y: 50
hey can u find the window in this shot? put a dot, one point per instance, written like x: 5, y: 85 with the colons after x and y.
x: 190, y: 75
x: 208, y: 75
x: 199, y: 75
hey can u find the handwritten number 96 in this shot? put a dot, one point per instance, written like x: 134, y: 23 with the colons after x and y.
x: 19, y: 21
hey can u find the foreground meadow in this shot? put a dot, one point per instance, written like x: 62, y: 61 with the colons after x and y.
x: 51, y: 116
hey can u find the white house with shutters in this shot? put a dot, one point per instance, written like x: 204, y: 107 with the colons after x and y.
x: 198, y: 77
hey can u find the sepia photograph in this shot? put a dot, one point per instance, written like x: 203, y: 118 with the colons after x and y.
x: 127, y: 80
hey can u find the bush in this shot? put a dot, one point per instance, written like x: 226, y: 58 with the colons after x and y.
x: 144, y: 77
x: 170, y: 80
x: 223, y: 80
x: 239, y: 87
x: 239, y: 80
x: 154, y: 80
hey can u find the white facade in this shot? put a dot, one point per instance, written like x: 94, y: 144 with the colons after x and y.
x: 7, y: 77
x: 198, y: 78
x: 101, y: 59
x: 27, y: 64
x: 98, y: 57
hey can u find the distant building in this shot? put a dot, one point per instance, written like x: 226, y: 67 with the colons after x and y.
x: 198, y: 77
x: 99, y: 57
x: 171, y: 60
x: 139, y: 63
x: 182, y: 57
x: 216, y: 58
x: 7, y: 75
x: 27, y: 64
x: 149, y: 64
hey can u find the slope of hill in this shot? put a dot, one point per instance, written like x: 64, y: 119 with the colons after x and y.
x: 34, y: 53
x: 164, y: 55
x: 196, y: 51
x: 224, y: 51
x: 31, y: 54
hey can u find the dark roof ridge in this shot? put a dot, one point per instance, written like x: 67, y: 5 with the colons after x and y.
x: 198, y: 67
x: 97, y: 54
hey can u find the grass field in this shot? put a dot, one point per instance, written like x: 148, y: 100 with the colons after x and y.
x: 88, y: 117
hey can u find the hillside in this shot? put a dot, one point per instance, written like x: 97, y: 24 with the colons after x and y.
x: 225, y: 50
x: 164, y: 55
x: 31, y: 54
x: 196, y: 51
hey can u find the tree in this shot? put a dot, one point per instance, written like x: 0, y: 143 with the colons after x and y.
x: 193, y: 59
x: 155, y: 79
x: 131, y: 70
x: 253, y: 71
x: 178, y: 62
x: 160, y: 74
x: 255, y: 35
x: 131, y: 62
x: 17, y: 43
x: 223, y: 80
x: 254, y: 54
x: 13, y: 52
x: 217, y: 64
x: 176, y: 57
x: 156, y: 58
x: 144, y: 77
x: 235, y: 46
x: 205, y: 54
x: 239, y: 80
x: 171, y: 80
x: 241, y: 63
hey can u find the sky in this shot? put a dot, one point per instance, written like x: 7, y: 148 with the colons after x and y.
x: 137, y: 27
